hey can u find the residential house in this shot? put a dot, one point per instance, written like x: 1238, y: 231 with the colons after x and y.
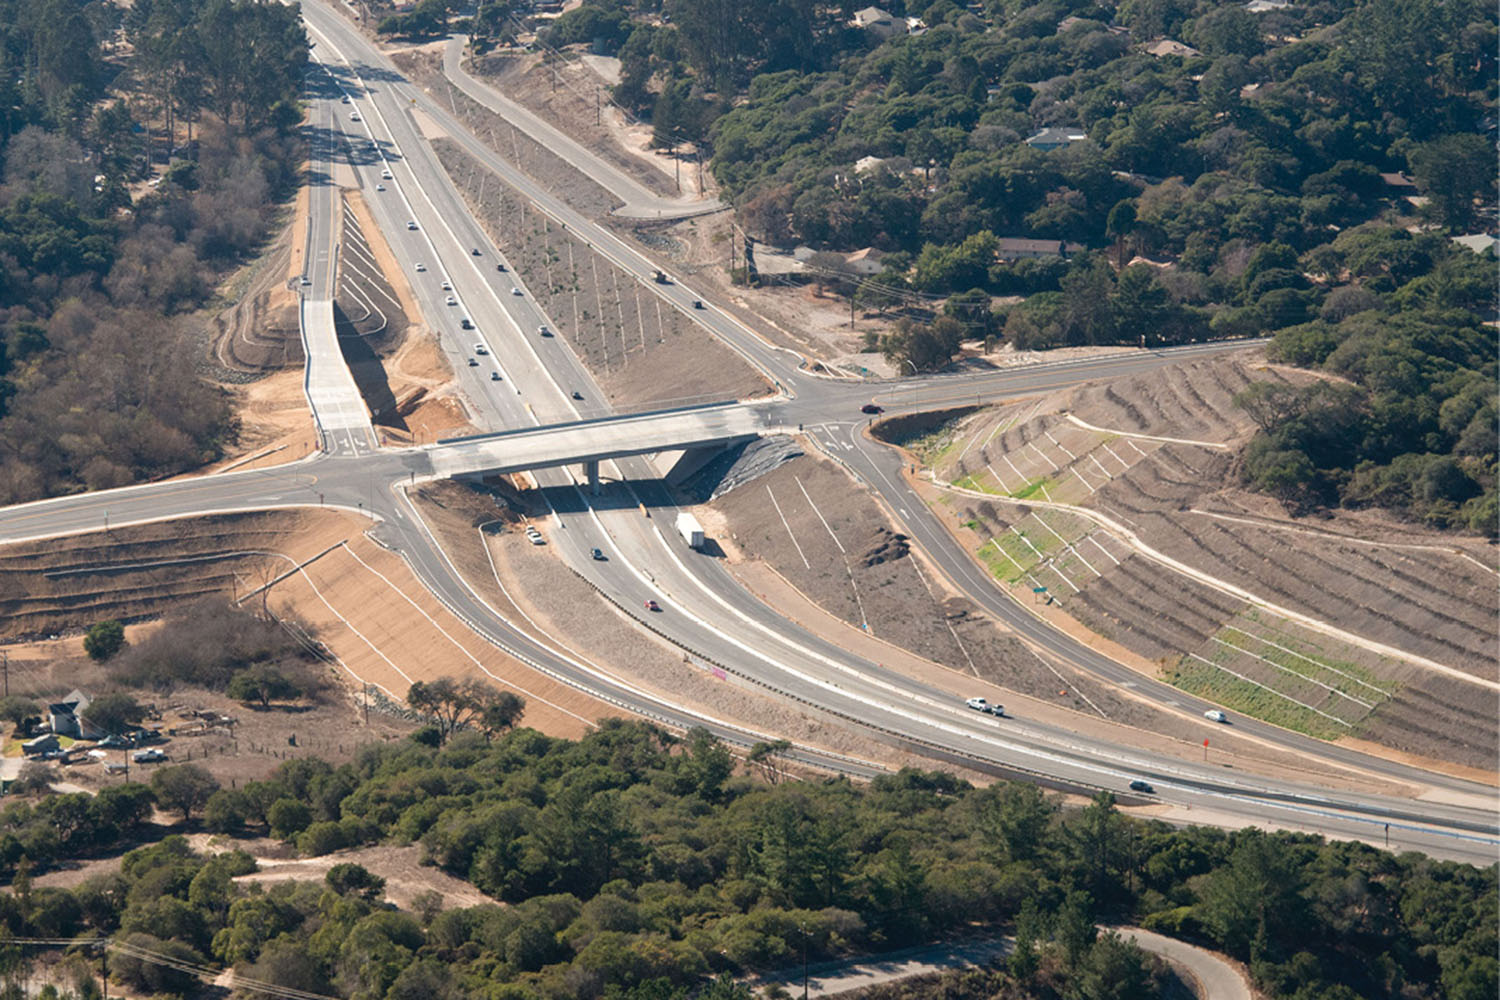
x: 881, y: 23
x: 67, y: 718
x: 865, y: 263
x: 1016, y: 248
x: 1478, y: 242
x: 1168, y: 47
x: 1053, y: 137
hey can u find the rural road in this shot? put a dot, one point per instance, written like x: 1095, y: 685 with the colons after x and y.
x: 1205, y: 972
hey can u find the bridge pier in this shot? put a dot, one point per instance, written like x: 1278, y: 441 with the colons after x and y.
x: 591, y: 469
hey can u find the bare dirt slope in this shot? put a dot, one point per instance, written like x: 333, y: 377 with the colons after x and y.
x: 1104, y: 448
x: 641, y: 352
x: 425, y: 68
x: 571, y: 96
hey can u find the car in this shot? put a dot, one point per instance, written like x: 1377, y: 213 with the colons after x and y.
x: 697, y: 303
x: 473, y: 362
x: 447, y: 286
x: 1214, y: 715
x: 500, y: 268
x: 420, y: 267
x: 598, y: 554
x: 114, y: 742
x: 474, y: 251
x: 514, y: 290
x: 577, y: 394
x: 452, y: 301
x: 871, y: 408
x: 978, y: 704
x: 535, y: 536
x: 306, y: 281
x: 379, y: 187
x: 354, y: 116
x: 150, y: 756
x: 480, y: 349
x: 466, y: 323
x: 1142, y: 786
x: 542, y: 331
x: 386, y: 174
x: 344, y: 99
x: 411, y: 225
x: 494, y: 376
x: 653, y: 606
x: 998, y: 711
x: 372, y: 144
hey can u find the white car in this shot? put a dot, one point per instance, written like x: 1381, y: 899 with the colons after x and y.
x: 421, y: 266
x: 1214, y: 715
x: 379, y: 187
x: 452, y: 301
x: 447, y: 286
x: 978, y: 704
x: 386, y: 174
x: 354, y: 116
x: 151, y: 756
x: 535, y: 536
x: 411, y: 226
x: 515, y: 291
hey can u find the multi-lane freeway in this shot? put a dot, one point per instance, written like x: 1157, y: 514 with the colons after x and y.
x: 363, y: 111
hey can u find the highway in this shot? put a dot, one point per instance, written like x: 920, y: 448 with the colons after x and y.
x: 705, y: 609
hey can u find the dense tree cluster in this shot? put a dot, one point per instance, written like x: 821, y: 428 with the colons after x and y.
x: 636, y: 866
x: 93, y: 388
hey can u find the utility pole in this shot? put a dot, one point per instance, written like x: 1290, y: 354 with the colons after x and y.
x: 5, y: 665
x: 598, y: 106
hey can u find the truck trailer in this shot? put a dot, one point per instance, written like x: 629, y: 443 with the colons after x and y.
x: 690, y: 530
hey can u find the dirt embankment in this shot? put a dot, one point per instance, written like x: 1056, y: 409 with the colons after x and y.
x: 1158, y: 455
x: 641, y: 351
x: 425, y: 68
x: 572, y: 97
x: 392, y: 353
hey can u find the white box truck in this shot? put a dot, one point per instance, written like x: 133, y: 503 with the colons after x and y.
x: 690, y: 530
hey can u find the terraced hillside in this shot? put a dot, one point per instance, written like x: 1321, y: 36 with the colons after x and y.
x: 1122, y: 500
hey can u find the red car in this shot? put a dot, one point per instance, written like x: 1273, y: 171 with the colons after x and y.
x: 871, y: 408
x: 652, y: 606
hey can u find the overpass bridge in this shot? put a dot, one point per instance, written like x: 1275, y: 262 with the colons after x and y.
x: 589, y: 442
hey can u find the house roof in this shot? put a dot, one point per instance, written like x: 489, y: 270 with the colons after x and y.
x: 1055, y: 136
x: 865, y: 164
x: 871, y: 15
x: 1478, y: 242
x: 1169, y: 47
x: 1398, y: 180
x: 1262, y: 6
x: 1015, y: 244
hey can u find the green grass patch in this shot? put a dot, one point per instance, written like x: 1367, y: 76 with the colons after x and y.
x: 1239, y: 696
x: 973, y: 482
x: 1034, y: 487
x: 1308, y: 658
x: 994, y: 557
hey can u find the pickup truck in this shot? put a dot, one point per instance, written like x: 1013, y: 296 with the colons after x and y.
x: 153, y: 755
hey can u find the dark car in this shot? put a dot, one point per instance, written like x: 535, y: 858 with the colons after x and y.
x: 871, y: 408
x: 598, y: 555
x: 500, y: 267
x: 475, y: 251
x: 697, y: 303
x: 1142, y: 786
x: 577, y: 394
x: 494, y: 376
x: 652, y: 606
